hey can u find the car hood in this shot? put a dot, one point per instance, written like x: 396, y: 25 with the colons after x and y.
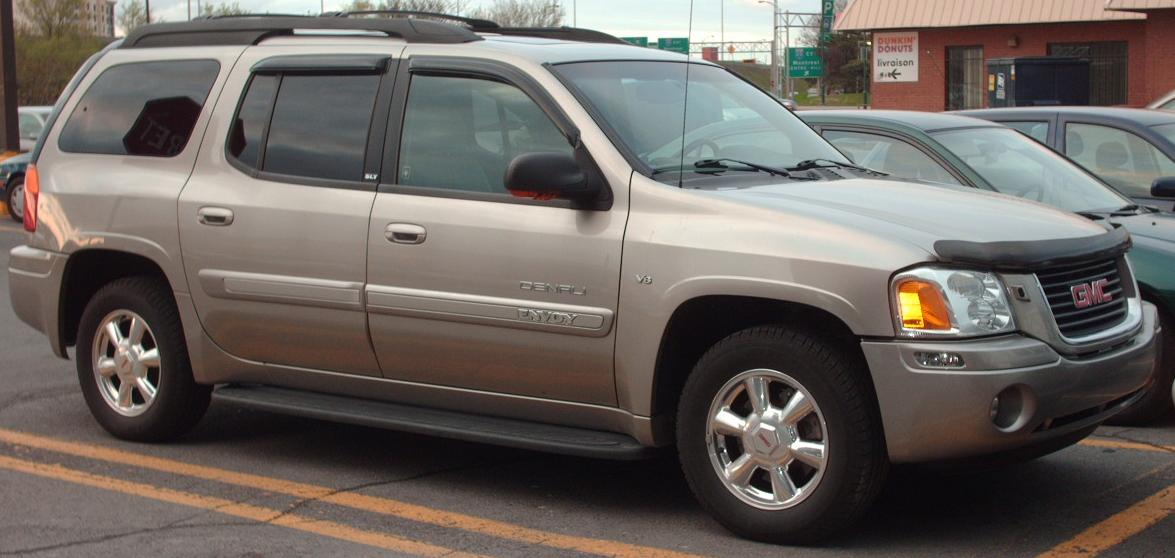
x: 918, y: 214
x: 1158, y: 226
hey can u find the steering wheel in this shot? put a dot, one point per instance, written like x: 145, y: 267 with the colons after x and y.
x: 695, y: 148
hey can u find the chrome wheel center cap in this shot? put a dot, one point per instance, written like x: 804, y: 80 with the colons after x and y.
x: 768, y: 441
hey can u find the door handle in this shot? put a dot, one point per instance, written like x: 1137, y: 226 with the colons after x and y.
x: 405, y: 233
x: 214, y: 216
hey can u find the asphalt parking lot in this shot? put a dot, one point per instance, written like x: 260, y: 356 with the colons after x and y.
x: 249, y: 483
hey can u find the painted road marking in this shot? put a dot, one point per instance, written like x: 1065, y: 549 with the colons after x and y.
x: 1119, y: 444
x: 373, y: 504
x: 219, y: 505
x: 1118, y: 527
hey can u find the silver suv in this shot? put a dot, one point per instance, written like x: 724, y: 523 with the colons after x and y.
x: 550, y: 240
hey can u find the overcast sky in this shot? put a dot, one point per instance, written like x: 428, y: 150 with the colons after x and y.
x: 745, y: 20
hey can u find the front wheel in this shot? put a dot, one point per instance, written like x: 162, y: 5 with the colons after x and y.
x: 779, y: 437
x: 15, y: 199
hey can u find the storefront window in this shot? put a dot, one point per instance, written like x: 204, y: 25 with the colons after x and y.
x: 965, y: 78
x: 1107, y: 68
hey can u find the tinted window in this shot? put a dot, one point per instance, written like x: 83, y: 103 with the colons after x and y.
x: 30, y: 126
x: 147, y: 109
x: 319, y: 126
x: 244, y: 141
x: 461, y: 133
x: 889, y: 155
x: 1122, y: 159
x: 1038, y: 131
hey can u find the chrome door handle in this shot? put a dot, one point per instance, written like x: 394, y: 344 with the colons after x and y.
x: 405, y: 233
x: 214, y: 216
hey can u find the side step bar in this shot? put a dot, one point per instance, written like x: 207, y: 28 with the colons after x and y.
x: 436, y: 422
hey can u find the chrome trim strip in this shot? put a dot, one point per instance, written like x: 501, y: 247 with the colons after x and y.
x: 301, y: 291
x: 485, y: 310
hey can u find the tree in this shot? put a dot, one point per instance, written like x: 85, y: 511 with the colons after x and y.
x: 225, y: 9
x: 522, y: 13
x: 841, y: 55
x: 45, y: 65
x: 52, y: 18
x: 434, y: 6
x: 131, y: 15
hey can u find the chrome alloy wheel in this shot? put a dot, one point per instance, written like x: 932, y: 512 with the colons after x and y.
x: 766, y: 438
x: 126, y: 363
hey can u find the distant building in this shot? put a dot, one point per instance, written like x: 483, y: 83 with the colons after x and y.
x: 96, y: 16
x: 931, y: 54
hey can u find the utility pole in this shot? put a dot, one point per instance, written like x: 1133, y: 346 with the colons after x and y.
x: 147, y: 8
x: 722, y: 28
x: 9, y: 122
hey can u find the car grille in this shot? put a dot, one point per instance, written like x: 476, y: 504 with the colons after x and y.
x: 1074, y: 322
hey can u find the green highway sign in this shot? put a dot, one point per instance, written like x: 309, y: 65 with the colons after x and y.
x: 804, y: 63
x: 638, y: 41
x: 674, y: 44
x: 827, y: 17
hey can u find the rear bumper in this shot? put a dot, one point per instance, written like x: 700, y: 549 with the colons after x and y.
x: 936, y: 414
x: 34, y: 287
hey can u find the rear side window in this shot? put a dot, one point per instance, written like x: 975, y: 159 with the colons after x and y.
x: 1036, y: 130
x: 248, y: 131
x: 145, y: 109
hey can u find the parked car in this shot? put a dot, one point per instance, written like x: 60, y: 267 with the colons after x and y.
x: 472, y: 233
x: 32, y: 121
x: 959, y: 150
x: 12, y: 177
x: 1166, y: 102
x: 1128, y: 149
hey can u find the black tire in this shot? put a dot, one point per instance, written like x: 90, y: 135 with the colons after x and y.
x: 179, y: 402
x: 838, y: 381
x: 9, y: 190
x: 1156, y: 403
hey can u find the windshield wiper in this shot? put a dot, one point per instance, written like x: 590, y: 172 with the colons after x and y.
x: 718, y: 164
x: 809, y: 164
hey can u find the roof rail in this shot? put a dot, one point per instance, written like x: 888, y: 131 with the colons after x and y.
x: 474, y: 23
x: 229, y: 16
x: 562, y: 33
x: 250, y: 30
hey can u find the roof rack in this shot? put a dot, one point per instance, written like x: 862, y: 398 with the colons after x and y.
x: 250, y: 30
x: 473, y: 23
x: 562, y: 33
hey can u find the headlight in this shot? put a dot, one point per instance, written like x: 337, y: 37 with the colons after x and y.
x: 931, y: 302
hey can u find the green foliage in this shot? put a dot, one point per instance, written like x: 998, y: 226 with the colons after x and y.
x: 44, y: 65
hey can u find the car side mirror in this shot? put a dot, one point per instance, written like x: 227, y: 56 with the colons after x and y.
x: 549, y: 175
x: 1163, y: 187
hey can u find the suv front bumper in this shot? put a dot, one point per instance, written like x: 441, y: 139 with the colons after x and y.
x: 933, y: 414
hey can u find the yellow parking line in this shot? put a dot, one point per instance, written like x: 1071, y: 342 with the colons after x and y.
x: 373, y: 504
x: 228, y: 507
x: 1118, y: 444
x: 1118, y: 527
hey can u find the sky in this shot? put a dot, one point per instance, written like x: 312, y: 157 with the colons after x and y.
x: 745, y: 20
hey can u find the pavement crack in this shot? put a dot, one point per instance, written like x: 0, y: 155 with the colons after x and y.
x: 171, y: 526
x: 1122, y: 437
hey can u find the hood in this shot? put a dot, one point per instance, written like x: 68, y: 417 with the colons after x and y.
x: 919, y: 214
x: 1157, y: 226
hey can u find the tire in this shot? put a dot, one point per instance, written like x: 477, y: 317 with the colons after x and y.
x: 158, y: 357
x: 1157, y: 402
x: 843, y: 418
x: 14, y: 197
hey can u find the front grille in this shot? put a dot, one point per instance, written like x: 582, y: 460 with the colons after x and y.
x: 1074, y: 322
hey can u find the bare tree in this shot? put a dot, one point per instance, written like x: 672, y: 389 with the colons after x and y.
x: 52, y: 18
x: 131, y: 15
x: 522, y: 13
x: 225, y: 9
x: 434, y: 6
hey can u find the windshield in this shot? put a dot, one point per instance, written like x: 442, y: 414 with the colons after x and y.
x: 1166, y: 130
x: 644, y: 105
x: 1014, y: 164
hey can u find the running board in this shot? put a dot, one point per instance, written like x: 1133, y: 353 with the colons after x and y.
x: 435, y: 422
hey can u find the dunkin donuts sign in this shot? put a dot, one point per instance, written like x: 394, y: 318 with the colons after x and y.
x: 895, y: 57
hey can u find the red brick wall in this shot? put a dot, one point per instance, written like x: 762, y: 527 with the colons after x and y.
x: 929, y: 92
x: 1160, y: 53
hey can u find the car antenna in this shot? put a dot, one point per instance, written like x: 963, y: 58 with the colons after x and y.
x: 685, y: 101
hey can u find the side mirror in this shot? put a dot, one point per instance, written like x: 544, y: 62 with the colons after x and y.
x: 547, y: 176
x: 1163, y: 187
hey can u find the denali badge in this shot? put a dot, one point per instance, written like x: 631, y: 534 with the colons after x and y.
x: 537, y: 287
x: 1089, y: 294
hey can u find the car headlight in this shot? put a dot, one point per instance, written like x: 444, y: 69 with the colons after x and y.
x: 933, y: 302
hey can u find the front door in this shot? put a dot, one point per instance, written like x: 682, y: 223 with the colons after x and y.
x: 468, y: 286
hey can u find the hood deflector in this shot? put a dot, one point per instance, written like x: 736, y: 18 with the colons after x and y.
x: 1035, y: 254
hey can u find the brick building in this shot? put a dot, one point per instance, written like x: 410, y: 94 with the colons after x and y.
x: 1130, y: 45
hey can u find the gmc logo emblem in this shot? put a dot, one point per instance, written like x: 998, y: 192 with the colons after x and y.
x: 1089, y: 294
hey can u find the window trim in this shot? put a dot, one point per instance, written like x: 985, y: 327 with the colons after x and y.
x: 90, y: 87
x: 488, y: 70
x: 335, y: 65
x: 950, y: 169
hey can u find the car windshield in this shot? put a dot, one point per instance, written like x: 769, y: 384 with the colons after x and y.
x: 647, y: 108
x: 1166, y: 130
x: 1016, y: 165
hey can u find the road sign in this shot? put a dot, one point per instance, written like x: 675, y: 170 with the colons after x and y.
x: 895, y: 57
x: 638, y: 41
x: 827, y: 16
x: 674, y: 44
x: 804, y: 63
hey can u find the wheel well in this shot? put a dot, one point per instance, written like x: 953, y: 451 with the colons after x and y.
x: 699, y: 323
x: 90, y: 270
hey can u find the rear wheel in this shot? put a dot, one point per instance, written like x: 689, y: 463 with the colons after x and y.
x: 15, y: 199
x: 132, y: 362
x: 778, y: 436
x: 1157, y: 402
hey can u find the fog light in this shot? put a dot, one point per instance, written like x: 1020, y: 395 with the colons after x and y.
x: 939, y: 360
x: 995, y: 408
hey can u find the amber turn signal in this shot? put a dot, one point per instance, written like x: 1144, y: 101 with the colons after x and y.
x: 922, y: 306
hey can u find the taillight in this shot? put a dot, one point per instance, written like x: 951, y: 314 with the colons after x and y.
x: 32, y: 191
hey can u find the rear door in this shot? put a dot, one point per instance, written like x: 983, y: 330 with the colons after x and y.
x: 274, y: 221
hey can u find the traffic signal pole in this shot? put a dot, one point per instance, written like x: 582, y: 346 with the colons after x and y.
x: 9, y: 123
